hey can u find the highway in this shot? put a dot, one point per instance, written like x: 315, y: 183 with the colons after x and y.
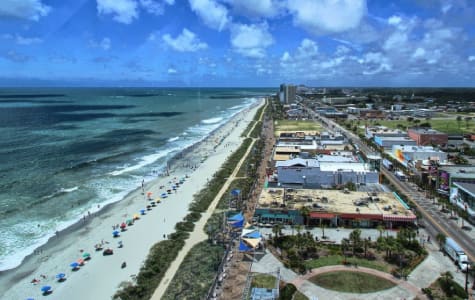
x: 433, y: 220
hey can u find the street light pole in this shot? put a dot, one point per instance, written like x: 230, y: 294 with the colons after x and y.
x: 467, y: 265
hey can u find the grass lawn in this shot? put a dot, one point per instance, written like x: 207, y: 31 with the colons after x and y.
x: 332, y: 260
x: 289, y: 125
x: 449, y: 126
x: 299, y: 296
x: 351, y: 282
x: 264, y: 281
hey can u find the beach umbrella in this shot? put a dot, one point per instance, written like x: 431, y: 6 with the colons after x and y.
x: 61, y: 276
x: 115, y: 233
x: 130, y: 222
x: 149, y: 194
x: 45, y: 288
x: 123, y: 225
x: 74, y: 265
x: 80, y: 261
x: 136, y: 216
x: 173, y: 187
x: 86, y: 255
x: 164, y: 195
x: 142, y: 211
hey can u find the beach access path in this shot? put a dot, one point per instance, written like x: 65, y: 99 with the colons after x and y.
x: 101, y: 277
x: 198, y: 234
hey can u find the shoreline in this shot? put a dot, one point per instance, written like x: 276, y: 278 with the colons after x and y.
x: 57, y: 253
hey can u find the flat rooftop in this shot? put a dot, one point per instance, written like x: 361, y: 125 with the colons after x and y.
x: 333, y: 201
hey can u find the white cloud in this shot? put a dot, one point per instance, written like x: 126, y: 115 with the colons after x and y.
x: 321, y: 16
x: 419, y: 53
x: 251, y: 40
x: 471, y: 58
x: 286, y: 57
x: 256, y: 9
x: 213, y: 14
x: 394, y: 20
x: 172, y: 71
x: 307, y: 48
x: 105, y: 43
x: 123, y: 11
x: 187, y: 41
x: 24, y: 9
x: 155, y: 7
x: 20, y: 40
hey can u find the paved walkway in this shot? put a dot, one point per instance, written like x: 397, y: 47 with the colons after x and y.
x: 198, y: 234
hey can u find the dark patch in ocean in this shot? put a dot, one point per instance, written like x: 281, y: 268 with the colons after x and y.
x: 36, y: 102
x: 121, y: 133
x: 144, y: 95
x: 85, y: 164
x: 31, y: 95
x: 36, y: 116
x: 152, y: 114
x: 65, y: 127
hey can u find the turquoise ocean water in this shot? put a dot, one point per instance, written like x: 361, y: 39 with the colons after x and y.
x: 63, y: 151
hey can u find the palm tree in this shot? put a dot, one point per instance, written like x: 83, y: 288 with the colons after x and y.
x: 345, y: 243
x: 459, y: 120
x: 322, y: 226
x: 441, y: 238
x: 381, y: 229
x: 305, y: 212
x: 355, y: 238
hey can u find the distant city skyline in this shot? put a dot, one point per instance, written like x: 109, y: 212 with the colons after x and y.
x: 237, y: 43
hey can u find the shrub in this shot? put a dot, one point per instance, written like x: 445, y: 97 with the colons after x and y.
x: 287, y: 292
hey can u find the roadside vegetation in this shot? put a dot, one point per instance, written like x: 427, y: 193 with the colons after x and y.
x: 445, y: 288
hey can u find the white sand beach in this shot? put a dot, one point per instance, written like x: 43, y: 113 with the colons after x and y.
x: 101, y: 276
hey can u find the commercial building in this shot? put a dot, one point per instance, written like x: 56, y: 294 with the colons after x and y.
x: 311, y: 173
x: 332, y: 207
x: 372, y: 131
x: 413, y: 155
x: 427, y: 137
x: 387, y: 142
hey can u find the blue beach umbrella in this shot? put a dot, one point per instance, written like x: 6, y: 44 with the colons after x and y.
x: 115, y: 233
x: 74, y: 265
x: 164, y: 195
x: 61, y: 276
x: 142, y: 211
x: 45, y: 288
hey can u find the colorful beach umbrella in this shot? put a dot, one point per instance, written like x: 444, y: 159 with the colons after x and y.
x: 86, y: 255
x: 130, y: 222
x: 115, y: 233
x: 136, y: 216
x: 74, y: 265
x: 61, y: 276
x: 45, y: 288
x: 164, y: 195
x: 80, y: 261
x: 142, y: 211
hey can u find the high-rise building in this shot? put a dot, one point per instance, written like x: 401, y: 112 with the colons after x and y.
x: 287, y: 94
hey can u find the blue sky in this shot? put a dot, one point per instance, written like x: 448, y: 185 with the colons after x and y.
x: 237, y: 42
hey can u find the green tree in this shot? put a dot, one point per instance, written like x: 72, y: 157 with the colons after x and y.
x: 355, y: 239
x: 459, y: 120
x: 441, y: 238
x: 305, y: 212
x: 381, y: 230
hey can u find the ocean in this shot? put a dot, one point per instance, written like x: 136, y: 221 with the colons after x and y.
x: 65, y: 152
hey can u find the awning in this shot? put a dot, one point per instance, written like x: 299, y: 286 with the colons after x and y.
x: 400, y: 218
x: 316, y: 215
x: 357, y: 216
x: 276, y: 216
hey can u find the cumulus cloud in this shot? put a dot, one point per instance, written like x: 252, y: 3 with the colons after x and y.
x: 123, y: 11
x: 251, y: 40
x: 213, y: 14
x: 155, y: 7
x: 21, y: 40
x: 172, y: 71
x: 256, y: 9
x: 16, y: 57
x: 24, y: 9
x: 104, y: 44
x: 327, y: 16
x: 187, y: 41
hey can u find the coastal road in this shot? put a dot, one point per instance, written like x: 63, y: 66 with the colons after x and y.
x: 198, y: 234
x: 434, y: 220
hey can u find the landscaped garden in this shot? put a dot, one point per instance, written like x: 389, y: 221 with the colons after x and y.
x: 396, y: 255
x: 289, y: 125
